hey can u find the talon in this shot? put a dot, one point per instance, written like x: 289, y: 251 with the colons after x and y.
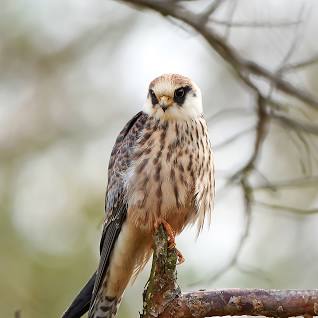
x: 181, y: 259
x: 171, y: 245
x: 170, y: 232
x: 171, y: 239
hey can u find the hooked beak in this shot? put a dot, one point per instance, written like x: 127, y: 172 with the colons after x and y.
x: 165, y: 102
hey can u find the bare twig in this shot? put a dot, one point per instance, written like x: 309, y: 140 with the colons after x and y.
x: 229, y: 112
x: 241, y: 66
x: 228, y: 27
x: 286, y: 208
x: 299, y: 65
x: 295, y: 124
x: 233, y: 138
x: 292, y: 183
x: 243, y: 24
x: 205, y: 16
x: 243, y: 176
x: 261, y: 131
x: 246, y: 228
x: 293, y: 44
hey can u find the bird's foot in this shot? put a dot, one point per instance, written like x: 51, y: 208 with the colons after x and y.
x: 171, y: 239
x: 170, y: 232
x: 181, y: 259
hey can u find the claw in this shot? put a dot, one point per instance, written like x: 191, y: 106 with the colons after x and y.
x: 170, y: 232
x: 181, y: 259
x: 171, y: 239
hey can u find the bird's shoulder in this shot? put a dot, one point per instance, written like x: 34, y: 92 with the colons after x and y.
x: 119, y: 162
x: 126, y: 139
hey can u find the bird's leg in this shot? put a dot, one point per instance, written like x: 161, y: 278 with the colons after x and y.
x: 171, y: 239
x: 170, y: 232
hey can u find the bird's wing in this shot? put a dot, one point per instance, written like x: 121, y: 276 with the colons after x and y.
x: 116, y: 199
x: 115, y: 208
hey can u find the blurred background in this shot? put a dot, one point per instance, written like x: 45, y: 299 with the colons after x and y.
x: 72, y: 73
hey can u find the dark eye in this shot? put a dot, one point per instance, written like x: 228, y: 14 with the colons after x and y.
x: 179, y: 93
x: 154, y: 99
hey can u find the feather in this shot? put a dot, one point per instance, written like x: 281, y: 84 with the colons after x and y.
x: 116, y: 210
x: 80, y: 304
x: 109, y: 238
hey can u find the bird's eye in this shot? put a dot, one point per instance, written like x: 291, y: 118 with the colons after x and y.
x: 154, y: 99
x: 179, y: 93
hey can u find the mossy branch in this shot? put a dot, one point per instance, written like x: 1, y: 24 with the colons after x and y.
x: 163, y: 298
x: 161, y: 288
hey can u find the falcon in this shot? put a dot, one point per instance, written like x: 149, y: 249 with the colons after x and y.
x: 160, y: 172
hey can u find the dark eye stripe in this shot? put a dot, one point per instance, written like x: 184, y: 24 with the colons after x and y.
x: 154, y: 99
x: 180, y: 94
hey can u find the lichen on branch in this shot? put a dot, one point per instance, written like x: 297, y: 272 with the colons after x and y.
x: 163, y: 297
x: 161, y: 288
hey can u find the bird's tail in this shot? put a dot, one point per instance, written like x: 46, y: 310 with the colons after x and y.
x: 104, y: 307
x: 80, y: 304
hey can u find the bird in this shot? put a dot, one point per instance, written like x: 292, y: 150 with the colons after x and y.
x: 160, y: 171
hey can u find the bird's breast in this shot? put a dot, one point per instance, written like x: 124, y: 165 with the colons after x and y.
x: 164, y: 171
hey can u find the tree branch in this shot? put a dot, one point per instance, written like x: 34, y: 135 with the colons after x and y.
x: 293, y: 183
x: 299, y: 65
x: 289, y: 209
x: 238, y: 302
x: 161, y: 288
x: 163, y: 298
x: 243, y: 67
x: 274, y: 303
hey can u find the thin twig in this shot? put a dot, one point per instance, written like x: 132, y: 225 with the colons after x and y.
x: 261, y: 25
x: 233, y: 138
x: 289, y: 209
x: 295, y: 124
x: 243, y: 176
x: 291, y: 183
x: 206, y: 14
x: 228, y: 27
x: 241, y: 66
x: 229, y: 112
x: 299, y: 65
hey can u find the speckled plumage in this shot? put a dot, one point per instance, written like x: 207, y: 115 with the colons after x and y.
x: 171, y: 174
x: 161, y: 168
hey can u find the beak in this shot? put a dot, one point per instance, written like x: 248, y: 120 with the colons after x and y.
x: 165, y: 102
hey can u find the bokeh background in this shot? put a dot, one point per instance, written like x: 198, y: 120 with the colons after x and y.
x: 72, y: 73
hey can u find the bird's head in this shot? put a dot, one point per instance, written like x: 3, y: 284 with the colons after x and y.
x: 173, y: 96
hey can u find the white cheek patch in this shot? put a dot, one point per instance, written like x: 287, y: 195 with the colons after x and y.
x: 148, y: 107
x: 192, y: 105
x: 190, y: 109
